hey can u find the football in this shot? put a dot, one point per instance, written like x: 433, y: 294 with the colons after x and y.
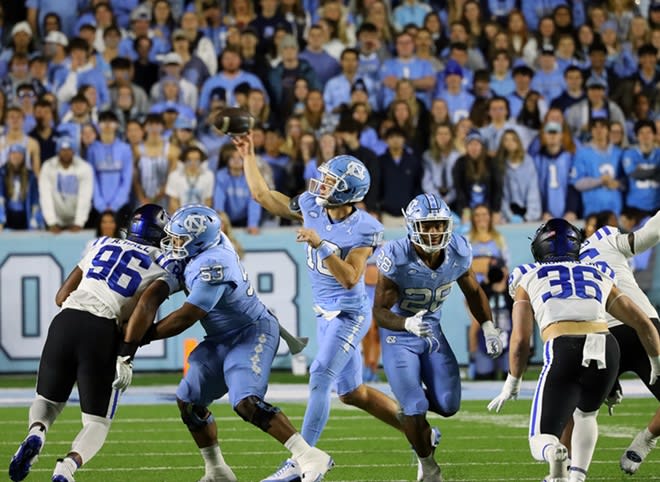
x: 232, y: 121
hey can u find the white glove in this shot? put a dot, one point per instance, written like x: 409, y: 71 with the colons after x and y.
x: 509, y: 391
x: 416, y: 326
x: 655, y: 369
x: 494, y: 345
x: 614, y: 398
x: 124, y: 372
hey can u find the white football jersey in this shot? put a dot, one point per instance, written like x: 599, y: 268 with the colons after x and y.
x: 115, y: 273
x: 610, y: 246
x: 564, y: 291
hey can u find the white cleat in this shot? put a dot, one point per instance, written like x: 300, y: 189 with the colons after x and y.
x: 557, y: 455
x: 434, y: 476
x: 62, y: 472
x: 289, y: 471
x: 635, y: 454
x: 314, y: 464
x: 435, y: 441
x: 220, y: 473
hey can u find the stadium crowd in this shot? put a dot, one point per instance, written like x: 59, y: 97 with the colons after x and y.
x: 535, y: 109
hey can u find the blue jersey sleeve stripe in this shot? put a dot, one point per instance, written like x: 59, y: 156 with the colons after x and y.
x: 607, y: 230
x: 599, y: 235
x: 522, y: 268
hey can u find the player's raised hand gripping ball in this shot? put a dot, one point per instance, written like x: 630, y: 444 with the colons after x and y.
x: 232, y: 121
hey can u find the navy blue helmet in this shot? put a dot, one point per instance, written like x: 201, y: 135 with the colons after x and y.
x: 557, y: 240
x: 147, y: 225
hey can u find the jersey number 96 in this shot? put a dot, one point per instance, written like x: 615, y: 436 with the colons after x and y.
x: 111, y: 265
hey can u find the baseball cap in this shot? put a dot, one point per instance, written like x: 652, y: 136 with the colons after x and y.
x: 474, y: 135
x: 21, y: 27
x: 64, y: 143
x: 171, y: 58
x: 183, y: 122
x: 453, y: 68
x: 595, y: 82
x: 55, y: 37
x: 552, y: 127
x: 142, y: 12
x: 17, y: 148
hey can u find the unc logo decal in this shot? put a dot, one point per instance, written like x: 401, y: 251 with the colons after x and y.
x: 390, y: 340
x: 355, y: 169
x: 195, y: 224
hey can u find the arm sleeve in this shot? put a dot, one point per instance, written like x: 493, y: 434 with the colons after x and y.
x: 84, y: 195
x: 205, y: 295
x: 645, y: 237
x: 68, y: 88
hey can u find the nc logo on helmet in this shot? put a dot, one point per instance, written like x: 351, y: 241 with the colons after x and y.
x: 357, y: 170
x: 195, y: 224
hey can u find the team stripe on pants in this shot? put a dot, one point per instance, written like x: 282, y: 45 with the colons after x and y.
x: 537, y: 405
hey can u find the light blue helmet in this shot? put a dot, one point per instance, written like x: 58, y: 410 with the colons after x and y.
x: 429, y: 208
x: 344, y: 179
x: 191, y: 229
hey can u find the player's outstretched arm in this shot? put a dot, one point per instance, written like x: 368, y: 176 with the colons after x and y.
x: 272, y: 201
x: 70, y: 284
x: 177, y: 322
x: 145, y: 312
x: 647, y: 236
x: 480, y: 307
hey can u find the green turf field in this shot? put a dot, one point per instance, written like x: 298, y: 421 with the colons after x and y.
x: 149, y: 443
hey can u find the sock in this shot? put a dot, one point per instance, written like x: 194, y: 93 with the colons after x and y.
x: 91, y: 438
x: 318, y: 406
x: 576, y: 476
x: 44, y: 411
x: 538, y: 444
x: 428, y: 464
x: 69, y: 466
x: 296, y: 445
x: 212, y: 457
x: 583, y: 441
x: 39, y: 431
x: 648, y: 436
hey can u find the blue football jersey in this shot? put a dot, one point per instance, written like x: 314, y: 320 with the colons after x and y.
x: 217, y: 282
x: 420, y: 287
x: 359, y: 229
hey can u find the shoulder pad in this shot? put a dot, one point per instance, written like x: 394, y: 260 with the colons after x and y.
x: 294, y: 204
x: 516, y: 276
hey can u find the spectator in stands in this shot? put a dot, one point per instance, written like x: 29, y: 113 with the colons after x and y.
x: 553, y: 164
x: 184, y: 133
x: 108, y: 224
x: 325, y: 65
x: 146, y: 69
x: 112, y: 162
x: 548, y: 79
x: 88, y: 136
x: 407, y: 66
x: 155, y: 159
x: 400, y: 178
x: 193, y: 69
x: 297, y: 17
x: 597, y: 66
x: 25, y: 99
x: 241, y: 13
x: 580, y: 115
x: 338, y: 89
x: 498, y: 114
x: 66, y: 185
x: 201, y: 46
x: 596, y: 171
x: 459, y: 101
x: 259, y: 108
x: 232, y: 195
x: 15, y: 134
x: 192, y: 183
x: 401, y: 115
x: 348, y: 137
x: 501, y: 80
x: 19, y: 73
x: 228, y: 78
x: 476, y: 179
x: 522, y: 78
x: 521, y: 200
x: 266, y: 21
x: 641, y: 111
x: 573, y: 91
x: 647, y: 76
x: 54, y: 50
x: 314, y: 118
x: 543, y: 36
x: 141, y: 27
x: 172, y: 69
x: 21, y: 43
x: 253, y: 60
x: 43, y: 133
x: 371, y: 51
x: 618, y: 135
x: 439, y: 161
x: 311, y: 156
x: 460, y: 44
x: 641, y: 165
x: 125, y: 108
x: 122, y: 75
x: 433, y: 24
x: 282, y: 78
x: 425, y: 49
x: 556, y: 115
x: 518, y: 32
x: 83, y: 72
x: 273, y: 156
x: 410, y: 12
x: 19, y: 193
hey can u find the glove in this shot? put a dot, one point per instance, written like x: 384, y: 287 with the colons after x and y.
x: 494, y: 345
x: 614, y: 398
x: 124, y: 370
x: 655, y: 369
x: 418, y: 327
x: 509, y: 391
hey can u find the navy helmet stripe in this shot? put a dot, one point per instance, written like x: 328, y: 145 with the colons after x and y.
x: 433, y: 205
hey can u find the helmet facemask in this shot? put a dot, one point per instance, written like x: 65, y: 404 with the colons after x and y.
x: 323, y: 189
x: 431, y: 233
x: 174, y: 245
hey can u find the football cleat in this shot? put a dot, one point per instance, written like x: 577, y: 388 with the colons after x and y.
x: 220, y: 473
x: 436, y: 435
x: 62, y: 472
x: 26, y: 455
x: 61, y: 478
x: 635, y: 454
x: 314, y: 464
x: 557, y: 455
x: 289, y: 471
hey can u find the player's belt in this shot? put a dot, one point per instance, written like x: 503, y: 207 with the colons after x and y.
x: 573, y: 328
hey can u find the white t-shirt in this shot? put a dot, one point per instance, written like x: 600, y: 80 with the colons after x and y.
x: 190, y: 190
x: 115, y: 273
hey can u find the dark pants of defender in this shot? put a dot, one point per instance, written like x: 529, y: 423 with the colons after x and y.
x: 633, y: 355
x: 81, y: 348
x: 565, y: 384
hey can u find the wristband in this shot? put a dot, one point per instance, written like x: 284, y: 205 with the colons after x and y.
x: 325, y: 250
x: 149, y: 335
x: 489, y: 328
x: 127, y: 349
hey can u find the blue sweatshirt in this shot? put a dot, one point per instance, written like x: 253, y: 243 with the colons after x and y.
x: 591, y: 163
x: 232, y: 195
x: 113, y: 173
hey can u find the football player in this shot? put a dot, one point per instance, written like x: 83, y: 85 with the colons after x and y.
x: 610, y: 246
x: 235, y: 358
x: 339, y: 239
x: 415, y: 277
x: 581, y: 357
x: 84, y: 343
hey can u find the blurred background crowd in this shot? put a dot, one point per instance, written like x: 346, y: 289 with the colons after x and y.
x: 511, y: 110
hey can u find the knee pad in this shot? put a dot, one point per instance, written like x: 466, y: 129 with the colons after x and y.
x: 195, y: 417
x: 254, y: 410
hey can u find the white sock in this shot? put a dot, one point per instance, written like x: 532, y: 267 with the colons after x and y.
x: 39, y: 431
x: 648, y: 436
x: 576, y: 476
x: 44, y: 411
x: 296, y: 445
x: 91, y: 438
x: 583, y: 441
x: 428, y: 464
x: 66, y: 467
x: 212, y: 457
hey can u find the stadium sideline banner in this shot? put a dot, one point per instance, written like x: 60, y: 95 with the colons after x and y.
x: 33, y: 266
